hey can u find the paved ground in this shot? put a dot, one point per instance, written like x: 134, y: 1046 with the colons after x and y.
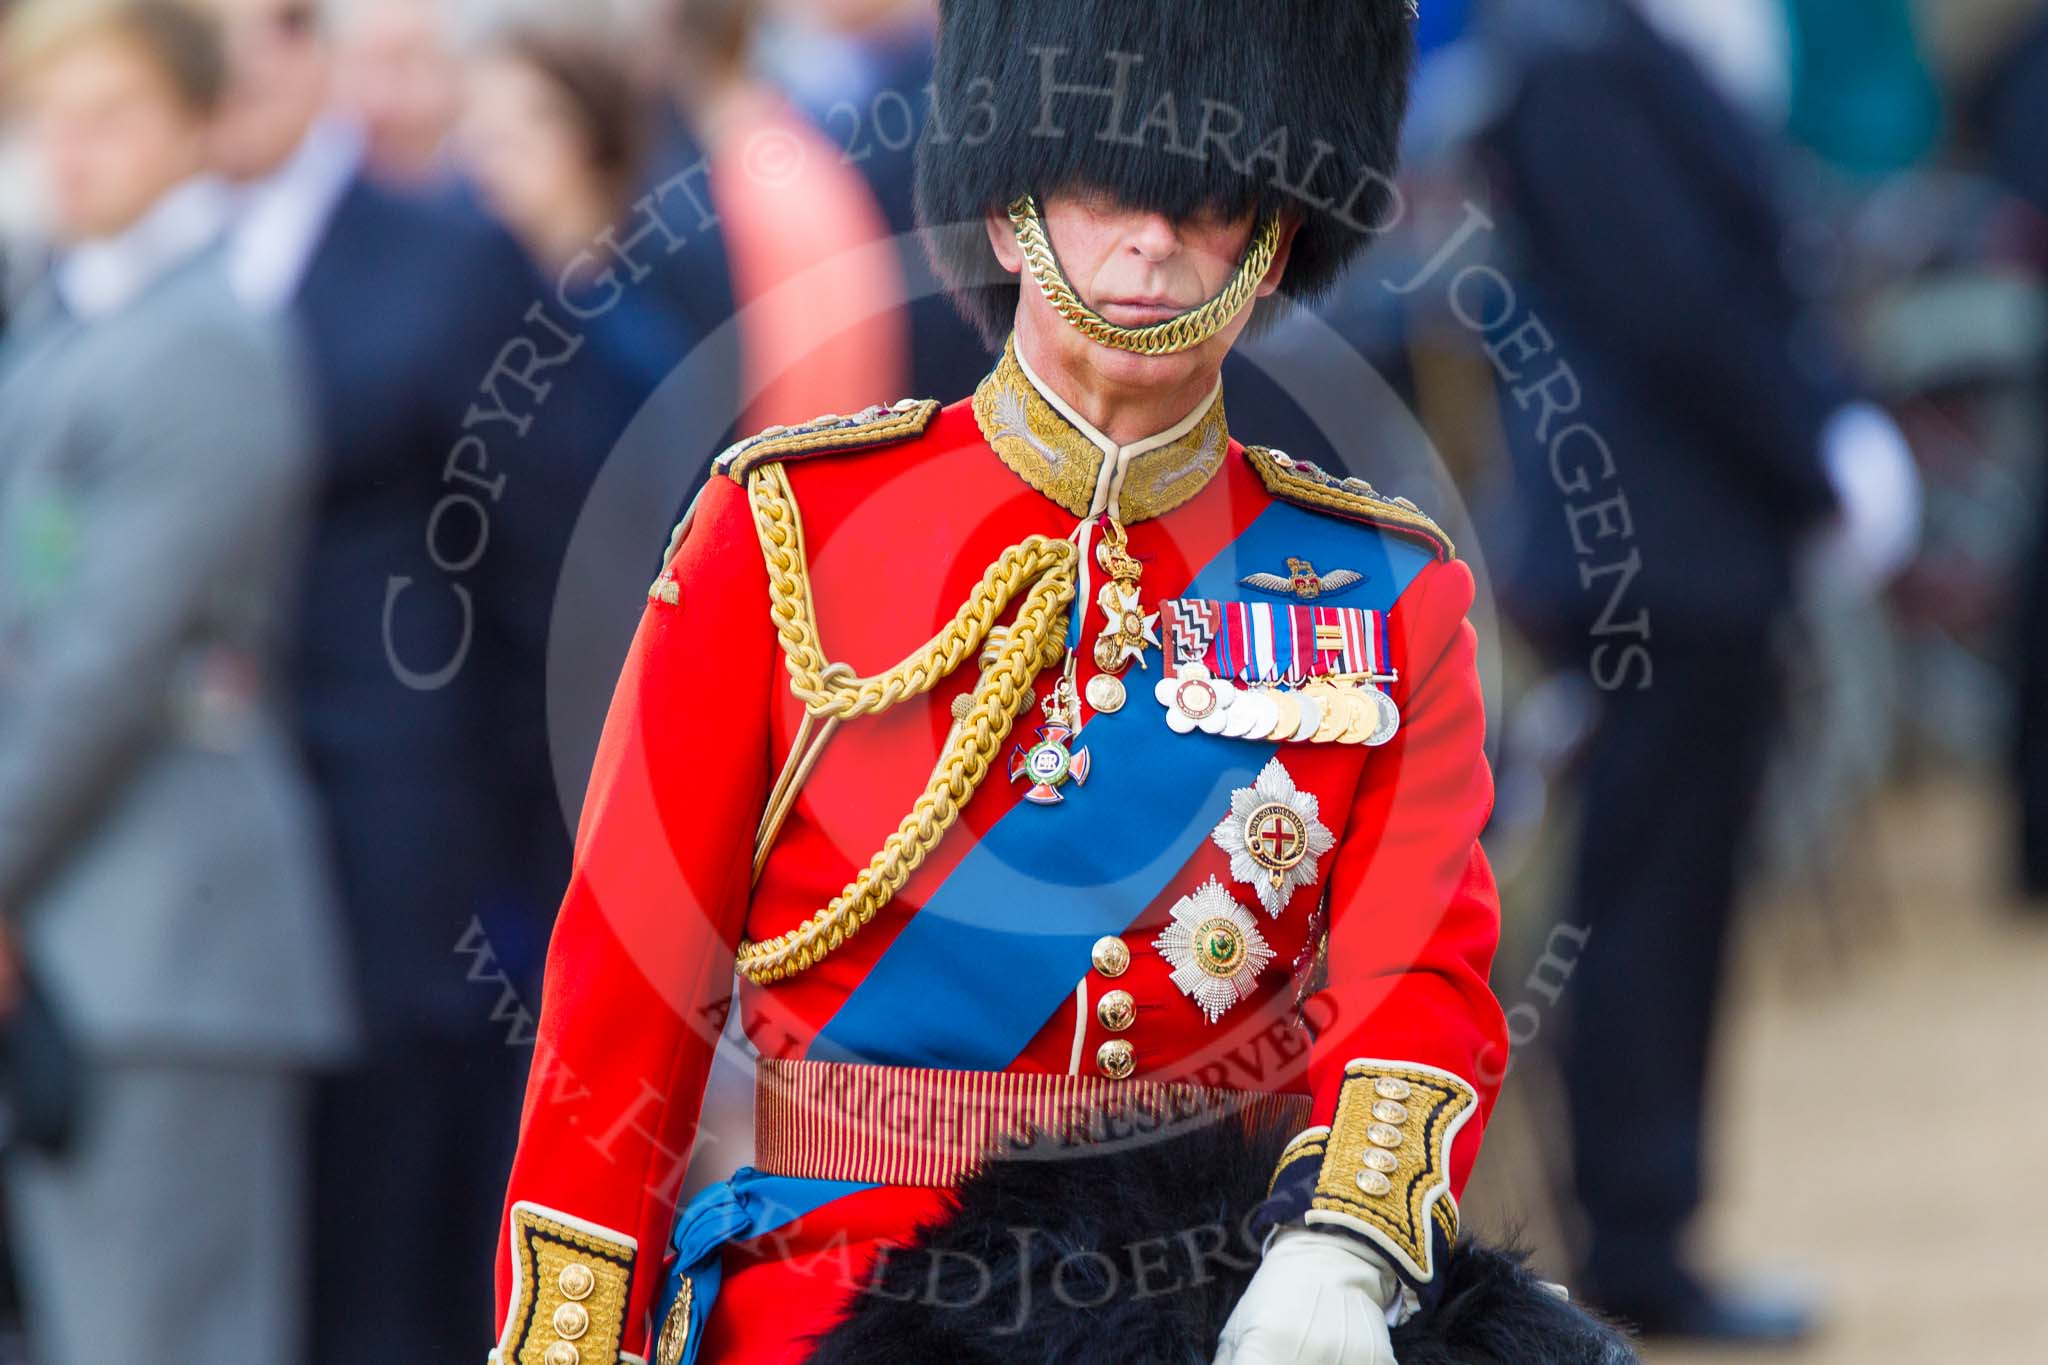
x: 1885, y: 1115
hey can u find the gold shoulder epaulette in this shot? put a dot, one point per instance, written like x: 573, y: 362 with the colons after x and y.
x: 831, y: 433
x: 1303, y: 483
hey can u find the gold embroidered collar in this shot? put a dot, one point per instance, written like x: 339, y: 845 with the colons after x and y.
x: 1055, y: 450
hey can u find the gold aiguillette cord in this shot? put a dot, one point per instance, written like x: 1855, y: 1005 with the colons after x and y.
x: 1039, y: 570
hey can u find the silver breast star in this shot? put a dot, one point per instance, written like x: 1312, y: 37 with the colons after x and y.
x: 1274, y: 837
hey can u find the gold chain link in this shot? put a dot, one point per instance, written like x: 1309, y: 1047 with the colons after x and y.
x: 1043, y: 570
x: 1185, y: 332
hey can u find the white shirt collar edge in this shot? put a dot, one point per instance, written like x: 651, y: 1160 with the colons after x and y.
x: 97, y: 278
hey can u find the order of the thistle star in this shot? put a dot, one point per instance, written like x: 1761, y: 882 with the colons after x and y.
x: 1214, y: 947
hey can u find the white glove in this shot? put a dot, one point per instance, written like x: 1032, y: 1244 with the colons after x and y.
x: 1318, y: 1298
x: 1877, y: 484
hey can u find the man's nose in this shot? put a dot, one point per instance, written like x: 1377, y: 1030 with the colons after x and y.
x: 1155, y: 237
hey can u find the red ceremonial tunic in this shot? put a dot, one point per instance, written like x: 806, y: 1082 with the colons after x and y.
x: 898, y: 533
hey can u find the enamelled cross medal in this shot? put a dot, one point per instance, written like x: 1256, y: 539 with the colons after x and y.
x: 1127, y: 627
x: 1051, y: 763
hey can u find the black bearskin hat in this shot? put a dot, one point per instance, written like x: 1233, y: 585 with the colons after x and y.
x: 1135, y: 1254
x: 1169, y: 105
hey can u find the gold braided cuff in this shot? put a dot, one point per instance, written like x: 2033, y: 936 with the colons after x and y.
x: 570, y: 1282
x: 1181, y: 333
x: 1383, y: 1163
x: 1307, y: 1146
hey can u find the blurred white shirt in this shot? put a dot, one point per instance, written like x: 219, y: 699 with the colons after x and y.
x: 98, y: 278
x: 1877, y: 484
x: 1745, y: 47
x: 282, y: 219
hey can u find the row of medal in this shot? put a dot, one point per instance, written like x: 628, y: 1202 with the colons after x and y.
x: 1335, y: 710
x: 1280, y: 672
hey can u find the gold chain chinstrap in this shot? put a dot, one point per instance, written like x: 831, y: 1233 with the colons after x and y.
x: 1185, y: 332
x: 1040, y: 570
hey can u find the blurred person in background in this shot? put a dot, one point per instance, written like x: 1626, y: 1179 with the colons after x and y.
x: 2009, y: 110
x: 689, y: 273
x: 399, y: 74
x: 551, y: 136
x: 1862, y: 95
x: 1689, y: 450
x: 816, y: 281
x: 1442, y: 23
x: 161, y: 872
x: 1742, y: 47
x: 859, y: 69
x: 418, y: 678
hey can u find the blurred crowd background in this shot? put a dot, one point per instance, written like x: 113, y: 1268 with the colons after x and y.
x: 359, y: 353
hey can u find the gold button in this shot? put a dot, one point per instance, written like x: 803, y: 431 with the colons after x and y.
x: 1390, y: 1111
x: 576, y: 1282
x: 1372, y: 1182
x: 561, y: 1353
x: 1391, y: 1088
x: 1117, y: 1011
x: 1116, y: 1058
x: 1110, y: 956
x: 1386, y: 1163
x: 571, y: 1321
x: 1383, y: 1135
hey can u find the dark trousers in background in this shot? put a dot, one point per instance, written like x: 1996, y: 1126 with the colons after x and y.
x: 1670, y: 788
x: 2030, y: 749
x: 411, y: 1154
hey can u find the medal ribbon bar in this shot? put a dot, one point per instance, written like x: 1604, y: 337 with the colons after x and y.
x: 1278, y: 642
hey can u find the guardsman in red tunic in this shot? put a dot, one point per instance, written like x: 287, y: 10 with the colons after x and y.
x: 1050, y: 764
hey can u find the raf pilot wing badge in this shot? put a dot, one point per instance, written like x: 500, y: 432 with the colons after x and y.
x: 1303, y: 582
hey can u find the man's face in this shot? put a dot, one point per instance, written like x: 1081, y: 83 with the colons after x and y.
x: 1135, y: 268
x: 398, y: 73
x: 279, y: 68
x: 110, y: 133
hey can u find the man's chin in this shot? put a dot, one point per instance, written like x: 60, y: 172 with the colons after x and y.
x: 1126, y: 370
x: 1129, y: 370
x: 1151, y: 372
